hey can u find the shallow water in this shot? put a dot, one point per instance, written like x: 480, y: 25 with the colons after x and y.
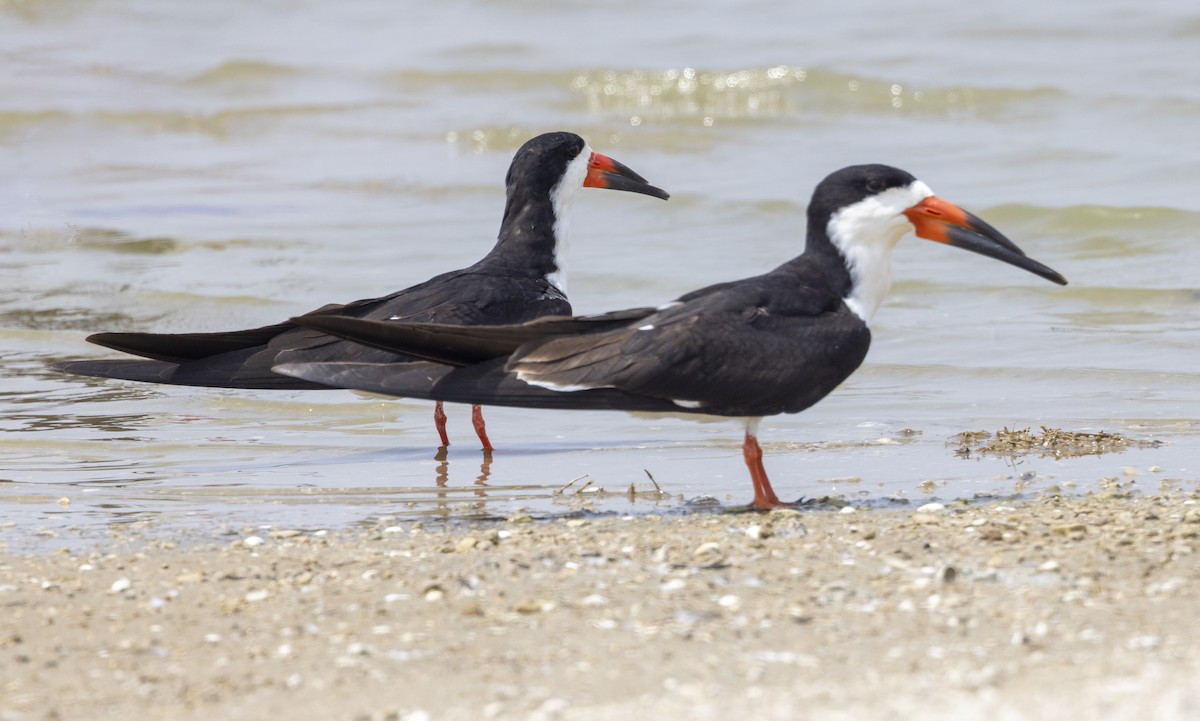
x: 224, y: 165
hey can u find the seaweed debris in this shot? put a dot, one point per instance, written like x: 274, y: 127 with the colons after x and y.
x: 1051, y: 442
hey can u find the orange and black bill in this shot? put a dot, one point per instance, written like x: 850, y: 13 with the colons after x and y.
x: 944, y: 222
x: 604, y: 172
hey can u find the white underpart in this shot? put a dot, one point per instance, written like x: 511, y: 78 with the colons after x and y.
x: 649, y: 326
x: 865, y: 233
x: 561, y: 198
x: 752, y: 424
x: 565, y: 388
x: 552, y: 386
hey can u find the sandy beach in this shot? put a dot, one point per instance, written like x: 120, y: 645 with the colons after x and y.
x: 1048, y: 608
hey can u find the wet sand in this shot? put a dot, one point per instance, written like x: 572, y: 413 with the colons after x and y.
x: 995, y: 609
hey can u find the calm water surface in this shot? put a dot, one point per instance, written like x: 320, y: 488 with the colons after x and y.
x: 207, y: 166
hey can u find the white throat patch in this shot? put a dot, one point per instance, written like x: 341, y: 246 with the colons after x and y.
x: 865, y: 233
x: 561, y: 198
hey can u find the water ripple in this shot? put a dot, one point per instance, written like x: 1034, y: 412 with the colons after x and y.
x: 782, y: 90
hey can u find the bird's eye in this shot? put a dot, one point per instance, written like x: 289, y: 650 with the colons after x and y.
x: 875, y: 185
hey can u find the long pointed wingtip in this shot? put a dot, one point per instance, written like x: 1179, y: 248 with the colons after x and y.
x: 304, y: 371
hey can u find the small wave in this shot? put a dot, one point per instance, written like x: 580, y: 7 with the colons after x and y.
x: 12, y: 121
x: 62, y: 318
x: 246, y: 71
x: 70, y: 237
x: 221, y: 123
x: 484, y: 139
x: 782, y: 90
x: 57, y: 239
x: 1076, y: 218
x: 480, y: 79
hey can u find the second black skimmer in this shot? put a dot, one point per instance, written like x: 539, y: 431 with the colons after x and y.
x: 773, y: 343
x: 522, y: 278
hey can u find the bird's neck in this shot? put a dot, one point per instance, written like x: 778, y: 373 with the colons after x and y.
x: 870, y: 268
x: 864, y: 234
x: 533, y: 239
x: 856, y: 252
x: 821, y: 254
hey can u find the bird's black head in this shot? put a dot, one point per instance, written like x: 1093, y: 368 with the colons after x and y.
x: 543, y: 179
x: 852, y: 184
x: 559, y: 164
x: 542, y: 161
x: 863, y: 210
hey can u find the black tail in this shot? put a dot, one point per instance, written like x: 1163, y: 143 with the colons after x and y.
x: 147, y: 371
x: 201, y: 373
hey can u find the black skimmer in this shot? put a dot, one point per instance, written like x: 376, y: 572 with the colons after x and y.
x: 522, y: 278
x: 774, y: 343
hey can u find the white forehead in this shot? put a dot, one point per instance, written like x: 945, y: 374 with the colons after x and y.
x: 573, y: 176
x: 875, y: 221
x: 891, y: 202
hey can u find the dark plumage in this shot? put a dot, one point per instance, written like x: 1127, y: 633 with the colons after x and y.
x: 772, y: 343
x: 775, y: 343
x: 518, y: 281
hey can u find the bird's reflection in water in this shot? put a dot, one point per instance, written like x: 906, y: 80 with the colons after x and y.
x: 442, y: 477
x: 443, y: 467
x: 485, y: 472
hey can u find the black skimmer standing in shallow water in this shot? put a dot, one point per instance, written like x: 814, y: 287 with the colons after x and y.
x: 522, y: 278
x: 774, y: 343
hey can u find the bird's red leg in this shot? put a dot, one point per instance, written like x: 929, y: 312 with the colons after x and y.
x: 439, y: 420
x: 480, y: 428
x: 764, y: 495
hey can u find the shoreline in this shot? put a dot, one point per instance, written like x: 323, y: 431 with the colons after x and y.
x: 1042, y: 608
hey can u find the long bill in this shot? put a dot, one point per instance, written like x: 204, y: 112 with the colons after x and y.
x: 604, y: 172
x: 944, y: 222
